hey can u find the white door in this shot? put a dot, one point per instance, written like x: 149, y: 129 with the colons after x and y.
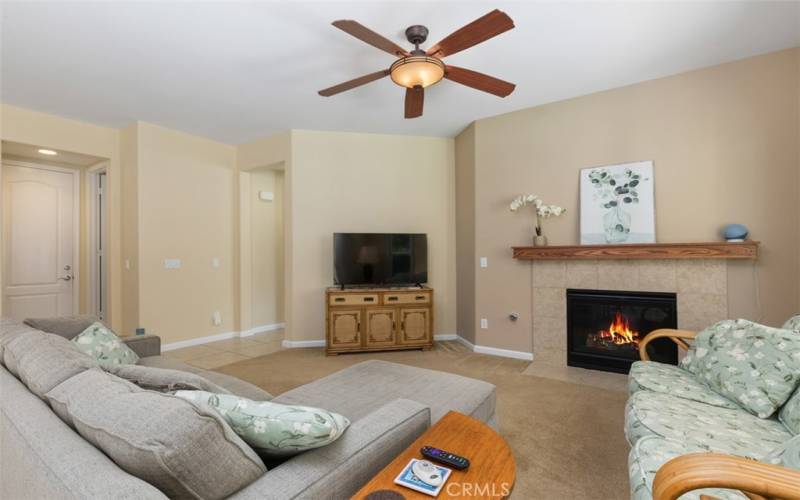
x: 39, y: 235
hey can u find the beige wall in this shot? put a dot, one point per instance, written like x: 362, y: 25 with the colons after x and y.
x: 466, y: 262
x: 129, y: 159
x: 30, y: 127
x: 344, y: 182
x: 724, y: 141
x: 266, y: 223
x: 186, y: 210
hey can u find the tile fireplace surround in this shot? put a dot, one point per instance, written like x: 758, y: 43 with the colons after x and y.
x: 701, y: 286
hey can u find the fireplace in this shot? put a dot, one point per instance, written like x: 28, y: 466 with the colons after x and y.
x: 604, y: 328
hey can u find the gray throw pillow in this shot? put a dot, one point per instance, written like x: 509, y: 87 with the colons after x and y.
x: 64, y: 326
x: 182, y: 448
x: 162, y: 379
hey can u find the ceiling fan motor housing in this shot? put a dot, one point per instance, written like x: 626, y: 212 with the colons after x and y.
x: 417, y: 34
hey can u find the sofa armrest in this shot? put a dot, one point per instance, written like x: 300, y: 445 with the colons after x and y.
x: 713, y: 470
x: 144, y: 345
x: 677, y: 336
x: 341, y: 468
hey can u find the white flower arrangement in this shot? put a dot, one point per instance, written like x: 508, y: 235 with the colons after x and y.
x: 542, y: 211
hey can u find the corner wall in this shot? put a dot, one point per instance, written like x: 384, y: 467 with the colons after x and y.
x: 347, y: 182
x: 466, y: 262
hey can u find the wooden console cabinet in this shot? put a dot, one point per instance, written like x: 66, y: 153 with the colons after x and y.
x: 378, y: 319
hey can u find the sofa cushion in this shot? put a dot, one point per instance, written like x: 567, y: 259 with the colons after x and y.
x: 271, y: 428
x: 792, y: 323
x: 365, y: 387
x: 65, y: 326
x: 649, y: 454
x: 164, y: 380
x: 703, y: 426
x: 755, y: 365
x: 42, y: 360
x: 671, y: 379
x: 101, y: 344
x: 184, y: 449
x: 230, y: 383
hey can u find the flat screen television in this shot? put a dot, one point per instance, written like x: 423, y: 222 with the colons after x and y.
x: 380, y: 259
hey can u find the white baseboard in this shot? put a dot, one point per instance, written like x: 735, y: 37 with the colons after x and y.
x: 199, y: 341
x: 466, y: 342
x: 445, y: 336
x: 291, y: 344
x: 505, y: 353
x: 262, y: 329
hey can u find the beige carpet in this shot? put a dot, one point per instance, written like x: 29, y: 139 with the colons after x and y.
x: 567, y: 438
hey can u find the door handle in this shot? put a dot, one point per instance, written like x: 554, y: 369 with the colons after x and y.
x: 66, y: 278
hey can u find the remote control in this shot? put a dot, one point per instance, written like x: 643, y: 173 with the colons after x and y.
x: 444, y: 457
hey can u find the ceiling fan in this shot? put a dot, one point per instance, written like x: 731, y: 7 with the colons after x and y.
x: 418, y: 69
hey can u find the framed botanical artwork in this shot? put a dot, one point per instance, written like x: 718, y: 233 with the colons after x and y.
x: 617, y: 204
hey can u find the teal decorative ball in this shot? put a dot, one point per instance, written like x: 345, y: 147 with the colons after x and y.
x: 735, y: 232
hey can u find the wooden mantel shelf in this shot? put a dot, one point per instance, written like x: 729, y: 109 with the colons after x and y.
x: 651, y: 251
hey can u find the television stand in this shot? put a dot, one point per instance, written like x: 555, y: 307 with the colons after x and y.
x: 378, y: 319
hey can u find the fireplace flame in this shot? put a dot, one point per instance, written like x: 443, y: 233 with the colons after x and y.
x: 619, y: 333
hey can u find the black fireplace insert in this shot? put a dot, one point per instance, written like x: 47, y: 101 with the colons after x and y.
x: 604, y: 328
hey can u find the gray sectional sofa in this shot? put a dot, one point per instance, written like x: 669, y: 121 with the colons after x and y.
x: 43, y: 457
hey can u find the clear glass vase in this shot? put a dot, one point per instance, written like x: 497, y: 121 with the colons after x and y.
x: 617, y: 225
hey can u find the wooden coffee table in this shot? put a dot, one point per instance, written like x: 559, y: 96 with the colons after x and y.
x: 491, y: 472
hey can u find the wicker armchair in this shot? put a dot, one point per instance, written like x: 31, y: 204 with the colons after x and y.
x: 756, y: 480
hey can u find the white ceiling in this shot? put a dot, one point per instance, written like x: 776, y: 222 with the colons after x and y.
x: 239, y: 71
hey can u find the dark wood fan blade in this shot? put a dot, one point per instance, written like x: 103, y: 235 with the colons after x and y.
x: 355, y: 82
x: 479, y: 81
x: 479, y: 30
x: 414, y: 99
x: 367, y: 35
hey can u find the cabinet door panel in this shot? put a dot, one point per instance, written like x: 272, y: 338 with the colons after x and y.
x: 381, y: 327
x: 345, y: 328
x: 415, y: 326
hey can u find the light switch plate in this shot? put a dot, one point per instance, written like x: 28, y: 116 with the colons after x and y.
x: 484, y: 262
x: 172, y: 263
x: 215, y: 263
x: 266, y: 195
x: 484, y: 323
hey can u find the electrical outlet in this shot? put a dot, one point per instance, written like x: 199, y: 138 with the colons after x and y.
x: 484, y: 323
x: 484, y: 262
x: 216, y: 318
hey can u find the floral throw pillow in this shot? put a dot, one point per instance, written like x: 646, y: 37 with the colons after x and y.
x: 793, y: 323
x: 271, y: 428
x: 752, y: 364
x: 790, y: 414
x: 101, y: 344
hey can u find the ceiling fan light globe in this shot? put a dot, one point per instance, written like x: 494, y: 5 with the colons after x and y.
x: 417, y: 71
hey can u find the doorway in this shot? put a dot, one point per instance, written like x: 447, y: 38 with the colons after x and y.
x: 262, y: 281
x: 97, y: 241
x: 41, y: 243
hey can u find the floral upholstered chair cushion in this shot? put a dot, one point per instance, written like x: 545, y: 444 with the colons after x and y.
x: 793, y: 323
x: 755, y: 365
x: 671, y: 379
x: 271, y: 428
x: 790, y: 413
x: 702, y: 426
x: 649, y: 454
x: 101, y: 344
